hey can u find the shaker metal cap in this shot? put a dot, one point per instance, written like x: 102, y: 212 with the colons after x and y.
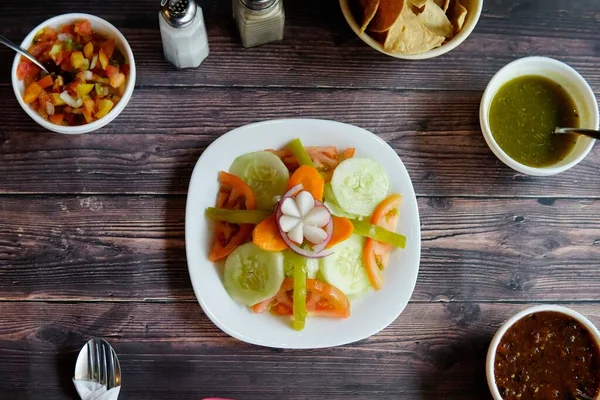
x: 258, y: 5
x: 178, y: 13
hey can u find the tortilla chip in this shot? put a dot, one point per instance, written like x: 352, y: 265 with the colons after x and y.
x: 458, y: 15
x: 387, y: 14
x: 369, y: 8
x: 409, y: 36
x: 434, y: 18
x: 444, y: 4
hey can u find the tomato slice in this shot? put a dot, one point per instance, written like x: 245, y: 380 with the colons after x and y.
x: 322, y: 299
x: 234, y: 194
x: 376, y: 254
x: 324, y: 158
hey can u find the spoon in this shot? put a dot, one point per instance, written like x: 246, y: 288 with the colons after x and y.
x: 98, y: 363
x: 582, y: 396
x: 594, y: 134
x: 25, y: 53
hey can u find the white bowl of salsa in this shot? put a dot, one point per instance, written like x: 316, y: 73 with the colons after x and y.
x: 95, y: 119
x: 543, y: 352
x: 569, y: 82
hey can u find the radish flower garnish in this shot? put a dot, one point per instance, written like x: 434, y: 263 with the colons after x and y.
x: 302, y: 219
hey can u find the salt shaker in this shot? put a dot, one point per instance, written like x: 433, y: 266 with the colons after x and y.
x: 183, y: 33
x: 259, y: 21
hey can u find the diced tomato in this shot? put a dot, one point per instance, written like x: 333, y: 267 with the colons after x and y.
x: 47, y: 34
x: 322, y: 299
x: 46, y: 82
x: 234, y: 194
x: 82, y: 27
x: 32, y: 92
x: 37, y: 50
x: 57, y: 118
x: 26, y: 69
x: 125, y: 68
x: 44, y: 98
x: 108, y: 47
x: 376, y: 254
x: 67, y: 29
x: 116, y: 78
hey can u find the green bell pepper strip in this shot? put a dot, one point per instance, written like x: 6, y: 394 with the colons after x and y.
x: 237, y: 216
x: 378, y: 233
x: 299, y: 151
x: 300, y: 275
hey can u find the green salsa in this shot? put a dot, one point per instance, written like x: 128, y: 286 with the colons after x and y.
x: 523, y: 116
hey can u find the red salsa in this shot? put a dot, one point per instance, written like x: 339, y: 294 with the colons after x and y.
x: 87, y: 77
x: 547, y: 355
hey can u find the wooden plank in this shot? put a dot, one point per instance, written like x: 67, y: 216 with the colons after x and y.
x: 172, y: 351
x: 320, y: 50
x: 152, y: 148
x: 132, y: 248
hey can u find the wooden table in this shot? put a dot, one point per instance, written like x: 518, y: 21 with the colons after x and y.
x: 92, y: 226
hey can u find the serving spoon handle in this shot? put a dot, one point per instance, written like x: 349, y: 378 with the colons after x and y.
x: 25, y: 53
x: 594, y: 134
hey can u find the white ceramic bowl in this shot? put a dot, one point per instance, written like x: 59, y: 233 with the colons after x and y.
x: 491, y: 356
x: 474, y: 8
x: 568, y: 78
x: 101, y: 26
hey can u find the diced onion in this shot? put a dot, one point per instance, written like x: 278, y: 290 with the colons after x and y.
x: 104, y: 91
x: 49, y: 108
x: 71, y: 101
x: 63, y: 37
x: 88, y: 75
x: 94, y: 61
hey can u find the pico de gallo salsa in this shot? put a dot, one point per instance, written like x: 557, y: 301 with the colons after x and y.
x: 88, y: 74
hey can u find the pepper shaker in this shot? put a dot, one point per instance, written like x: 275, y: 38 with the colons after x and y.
x: 183, y: 33
x: 259, y: 21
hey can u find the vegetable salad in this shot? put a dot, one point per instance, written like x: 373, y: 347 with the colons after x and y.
x: 87, y: 79
x: 301, y: 230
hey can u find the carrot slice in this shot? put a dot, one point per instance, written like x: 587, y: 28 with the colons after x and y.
x: 310, y: 178
x: 342, y: 230
x: 267, y: 236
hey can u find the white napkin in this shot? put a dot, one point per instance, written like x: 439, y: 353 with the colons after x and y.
x: 94, y: 391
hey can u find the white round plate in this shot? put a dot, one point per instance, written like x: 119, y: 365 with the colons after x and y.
x: 371, y: 312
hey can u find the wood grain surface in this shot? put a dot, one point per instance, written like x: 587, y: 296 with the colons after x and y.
x: 92, y: 226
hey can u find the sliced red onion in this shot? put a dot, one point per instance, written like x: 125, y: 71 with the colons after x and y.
x: 291, y: 192
x: 328, y: 228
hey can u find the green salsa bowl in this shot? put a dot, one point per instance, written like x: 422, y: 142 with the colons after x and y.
x: 517, y: 115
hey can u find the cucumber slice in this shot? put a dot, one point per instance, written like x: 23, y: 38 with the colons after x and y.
x: 359, y: 185
x: 265, y: 173
x: 253, y: 275
x: 312, y: 265
x: 344, y: 269
x: 332, y: 205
